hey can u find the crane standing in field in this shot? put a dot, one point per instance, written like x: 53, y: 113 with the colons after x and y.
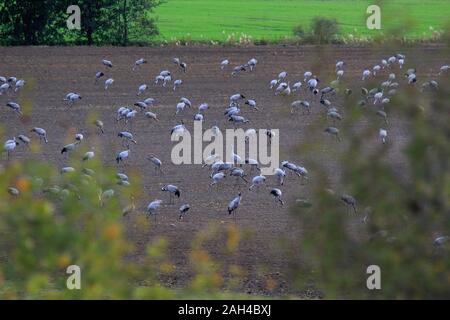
x: 139, y: 62
x: 183, y: 210
x: 234, y: 204
x: 277, y: 194
x: 41, y: 133
x: 152, y: 208
x: 349, y: 201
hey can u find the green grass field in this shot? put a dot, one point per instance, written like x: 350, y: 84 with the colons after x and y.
x: 274, y: 19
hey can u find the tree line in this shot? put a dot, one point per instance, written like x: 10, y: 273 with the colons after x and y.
x: 30, y: 22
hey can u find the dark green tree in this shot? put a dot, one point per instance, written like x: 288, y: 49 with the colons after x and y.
x: 98, y: 22
x: 402, y: 221
x: 136, y: 22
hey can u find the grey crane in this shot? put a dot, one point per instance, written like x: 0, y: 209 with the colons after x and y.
x: 183, y: 210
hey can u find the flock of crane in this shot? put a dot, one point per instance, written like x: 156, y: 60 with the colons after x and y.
x: 311, y: 89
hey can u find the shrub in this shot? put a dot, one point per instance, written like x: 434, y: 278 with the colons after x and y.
x: 55, y: 220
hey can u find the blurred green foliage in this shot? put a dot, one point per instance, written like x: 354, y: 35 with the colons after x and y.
x: 58, y: 220
x: 29, y: 22
x: 402, y: 197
